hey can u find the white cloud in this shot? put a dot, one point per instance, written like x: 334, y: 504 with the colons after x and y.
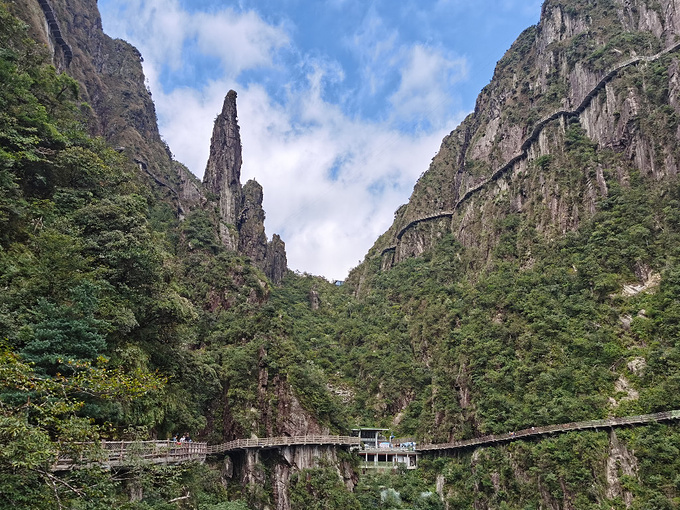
x: 328, y: 223
x: 161, y: 29
x: 331, y: 180
x: 374, y: 43
x: 427, y: 77
x: 241, y: 41
x: 162, y: 21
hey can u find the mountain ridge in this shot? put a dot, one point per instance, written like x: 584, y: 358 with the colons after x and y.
x: 557, y: 32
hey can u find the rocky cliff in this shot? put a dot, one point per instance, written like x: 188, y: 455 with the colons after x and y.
x: 112, y: 83
x: 223, y: 172
x: 596, y: 74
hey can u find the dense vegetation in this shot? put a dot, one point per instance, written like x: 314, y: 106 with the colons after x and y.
x: 118, y: 320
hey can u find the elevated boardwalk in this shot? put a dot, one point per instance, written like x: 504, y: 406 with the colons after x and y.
x: 551, y: 429
x: 278, y: 442
x: 129, y: 453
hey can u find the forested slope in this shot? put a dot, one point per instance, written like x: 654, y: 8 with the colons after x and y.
x: 118, y: 318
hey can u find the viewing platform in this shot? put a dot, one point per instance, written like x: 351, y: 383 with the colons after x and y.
x: 381, y: 453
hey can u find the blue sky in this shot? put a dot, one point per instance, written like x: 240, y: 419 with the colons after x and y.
x: 342, y: 103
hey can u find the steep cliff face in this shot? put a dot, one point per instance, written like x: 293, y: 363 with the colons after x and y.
x: 598, y: 73
x: 111, y: 80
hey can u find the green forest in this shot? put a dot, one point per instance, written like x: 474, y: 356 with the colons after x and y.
x: 121, y: 321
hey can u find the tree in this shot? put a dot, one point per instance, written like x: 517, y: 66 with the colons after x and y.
x: 40, y: 418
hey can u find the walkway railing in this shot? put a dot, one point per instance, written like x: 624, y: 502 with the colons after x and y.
x: 125, y: 453
x: 551, y: 429
x: 275, y: 442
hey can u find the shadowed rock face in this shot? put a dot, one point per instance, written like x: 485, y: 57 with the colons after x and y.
x: 276, y: 263
x: 252, y: 239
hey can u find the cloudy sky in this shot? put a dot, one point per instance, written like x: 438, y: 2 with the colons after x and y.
x: 342, y: 103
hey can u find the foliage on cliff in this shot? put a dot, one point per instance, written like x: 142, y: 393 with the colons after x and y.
x: 93, y: 267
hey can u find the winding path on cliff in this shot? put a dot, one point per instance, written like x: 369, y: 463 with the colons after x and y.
x: 533, y: 432
x: 126, y: 453
x: 535, y: 133
x: 54, y: 28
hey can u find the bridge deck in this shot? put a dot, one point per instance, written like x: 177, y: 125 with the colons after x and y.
x: 126, y: 453
x: 551, y: 429
x: 276, y: 442
x: 110, y: 454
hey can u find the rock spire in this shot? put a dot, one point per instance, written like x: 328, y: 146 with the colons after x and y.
x: 223, y: 171
x: 241, y: 216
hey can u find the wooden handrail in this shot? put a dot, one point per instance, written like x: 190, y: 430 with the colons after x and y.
x: 120, y: 453
x: 551, y: 429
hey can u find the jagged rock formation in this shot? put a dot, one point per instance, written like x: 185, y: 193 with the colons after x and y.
x: 252, y: 239
x: 111, y: 80
x: 223, y: 172
x: 276, y: 263
x: 576, y: 69
x: 241, y: 217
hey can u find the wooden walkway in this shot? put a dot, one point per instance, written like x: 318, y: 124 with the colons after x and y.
x: 110, y: 454
x: 277, y: 442
x: 551, y: 429
x: 130, y: 453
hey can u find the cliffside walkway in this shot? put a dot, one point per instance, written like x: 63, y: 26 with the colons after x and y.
x: 277, y: 442
x: 551, y: 429
x: 53, y: 26
x: 533, y: 136
x: 129, y: 453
